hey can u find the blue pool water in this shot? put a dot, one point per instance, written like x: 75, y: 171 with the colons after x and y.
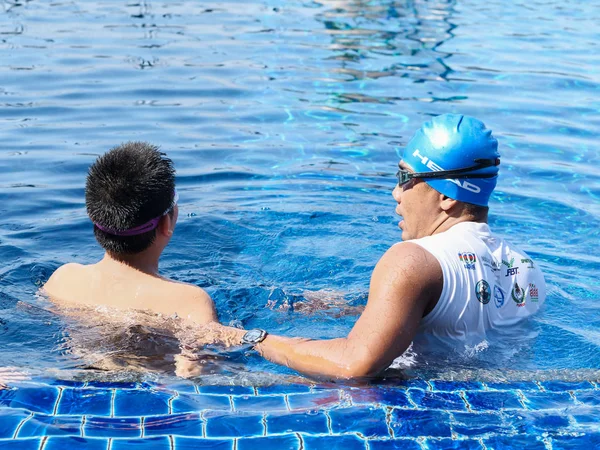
x: 285, y: 121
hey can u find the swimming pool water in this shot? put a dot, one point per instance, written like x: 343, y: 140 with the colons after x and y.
x: 285, y: 121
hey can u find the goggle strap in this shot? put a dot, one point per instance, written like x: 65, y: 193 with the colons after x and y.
x: 462, y: 173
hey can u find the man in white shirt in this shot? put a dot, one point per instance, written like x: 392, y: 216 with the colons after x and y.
x: 451, y: 276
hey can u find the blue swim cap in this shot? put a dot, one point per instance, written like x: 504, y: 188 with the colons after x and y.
x: 454, y: 141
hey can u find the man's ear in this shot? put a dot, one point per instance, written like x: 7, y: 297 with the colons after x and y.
x: 446, y: 203
x: 165, y: 225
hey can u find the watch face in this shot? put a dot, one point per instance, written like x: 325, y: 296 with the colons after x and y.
x: 254, y: 336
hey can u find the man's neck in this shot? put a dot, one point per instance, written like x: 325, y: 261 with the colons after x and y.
x: 449, y: 222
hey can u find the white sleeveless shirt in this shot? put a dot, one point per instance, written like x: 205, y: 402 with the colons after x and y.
x: 488, y: 283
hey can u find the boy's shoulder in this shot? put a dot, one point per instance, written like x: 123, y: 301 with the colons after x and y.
x: 191, y: 301
x: 63, y: 277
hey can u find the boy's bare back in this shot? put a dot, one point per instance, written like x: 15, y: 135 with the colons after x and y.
x: 116, y: 285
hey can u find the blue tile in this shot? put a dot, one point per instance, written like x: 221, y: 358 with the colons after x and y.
x: 448, y: 401
x: 547, y: 400
x: 370, y: 422
x: 43, y: 425
x: 113, y: 427
x: 588, y: 441
x: 536, y: 422
x: 452, y: 444
x: 183, y: 387
x: 153, y: 443
x: 260, y: 404
x: 107, y: 385
x: 587, y: 419
x: 453, y: 386
x: 477, y: 424
x: 401, y: 444
x: 226, y: 390
x: 513, y: 386
x: 493, y: 400
x: 590, y: 397
x: 317, y: 400
x: 186, y: 443
x: 412, y: 423
x: 312, y: 422
x: 21, y: 444
x: 513, y: 442
x: 283, y: 389
x: 564, y: 386
x: 414, y: 383
x: 75, y: 401
x: 75, y: 443
x: 287, y: 442
x: 63, y: 383
x: 36, y: 399
x: 380, y: 396
x: 141, y: 402
x: 332, y: 443
x: 178, y: 424
x: 233, y: 425
x: 10, y: 419
x: 200, y: 402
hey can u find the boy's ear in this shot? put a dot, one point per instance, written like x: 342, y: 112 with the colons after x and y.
x: 165, y: 226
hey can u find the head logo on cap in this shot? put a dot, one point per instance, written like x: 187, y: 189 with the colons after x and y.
x: 454, y: 142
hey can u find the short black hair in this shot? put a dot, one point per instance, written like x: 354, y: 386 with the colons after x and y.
x: 126, y: 187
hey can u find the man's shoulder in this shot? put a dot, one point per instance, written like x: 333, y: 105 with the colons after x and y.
x: 410, y: 259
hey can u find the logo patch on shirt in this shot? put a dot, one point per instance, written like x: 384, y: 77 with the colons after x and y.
x: 533, y: 292
x: 529, y: 263
x: 491, y: 263
x: 511, y: 269
x: 483, y: 292
x: 498, y: 296
x: 468, y: 259
x: 518, y: 295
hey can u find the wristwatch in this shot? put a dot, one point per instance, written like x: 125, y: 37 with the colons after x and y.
x: 254, y: 337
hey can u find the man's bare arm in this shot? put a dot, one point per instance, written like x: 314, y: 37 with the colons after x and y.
x: 404, y: 283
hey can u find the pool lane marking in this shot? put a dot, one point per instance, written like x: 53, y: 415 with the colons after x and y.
x: 264, y: 423
x: 58, y: 398
x: 21, y: 424
x: 287, y: 402
x: 231, y: 403
x: 142, y: 419
x: 171, y: 442
x: 82, y: 426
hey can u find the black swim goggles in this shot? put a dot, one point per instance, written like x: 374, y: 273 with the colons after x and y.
x: 404, y: 176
